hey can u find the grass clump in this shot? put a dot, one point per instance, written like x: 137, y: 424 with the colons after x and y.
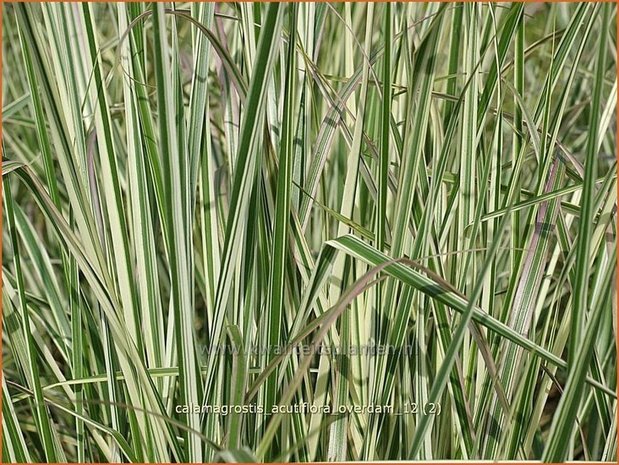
x: 309, y: 232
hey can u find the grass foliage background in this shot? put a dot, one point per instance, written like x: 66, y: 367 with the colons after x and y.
x: 436, y: 179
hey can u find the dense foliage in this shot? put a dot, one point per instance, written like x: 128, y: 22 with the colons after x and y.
x: 309, y: 232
